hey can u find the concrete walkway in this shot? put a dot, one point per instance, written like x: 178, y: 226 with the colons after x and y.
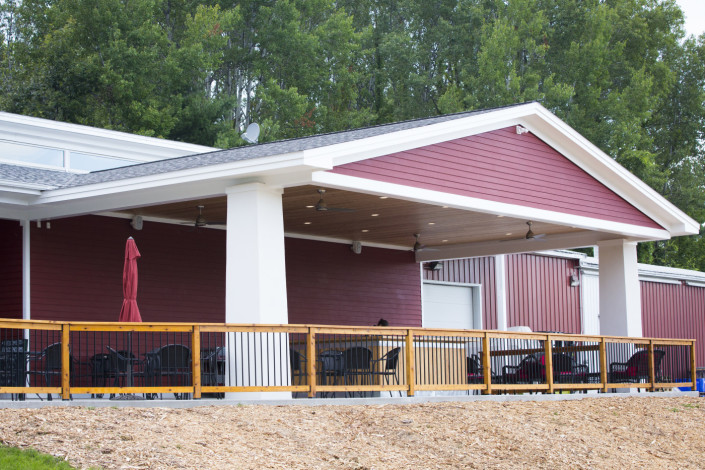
x: 172, y: 403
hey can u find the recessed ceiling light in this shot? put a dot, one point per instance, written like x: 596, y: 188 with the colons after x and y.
x: 375, y: 215
x: 507, y: 234
x: 365, y: 231
x: 310, y: 207
x: 307, y: 223
x: 444, y: 241
x: 445, y: 207
x: 384, y: 197
x: 431, y: 223
x: 500, y: 216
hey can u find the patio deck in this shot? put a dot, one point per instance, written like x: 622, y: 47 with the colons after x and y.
x: 151, y: 359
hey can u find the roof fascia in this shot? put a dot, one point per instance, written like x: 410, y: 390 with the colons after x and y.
x: 564, y: 139
x: 427, y: 196
x: 74, y: 137
x: 207, y: 181
x: 399, y: 141
x: 544, y: 125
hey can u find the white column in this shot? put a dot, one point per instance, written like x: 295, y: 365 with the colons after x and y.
x: 26, y: 297
x: 620, y: 292
x: 255, y: 282
x: 500, y: 282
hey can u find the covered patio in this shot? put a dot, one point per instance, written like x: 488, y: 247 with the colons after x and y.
x: 245, y: 236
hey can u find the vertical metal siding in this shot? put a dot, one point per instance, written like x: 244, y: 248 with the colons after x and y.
x: 539, y: 294
x: 674, y: 311
x: 472, y: 271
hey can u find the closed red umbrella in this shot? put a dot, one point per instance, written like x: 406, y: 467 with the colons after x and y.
x: 129, y: 311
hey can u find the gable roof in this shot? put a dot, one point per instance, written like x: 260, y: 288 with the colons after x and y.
x: 309, y: 160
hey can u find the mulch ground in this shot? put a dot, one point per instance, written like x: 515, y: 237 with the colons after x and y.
x: 631, y: 432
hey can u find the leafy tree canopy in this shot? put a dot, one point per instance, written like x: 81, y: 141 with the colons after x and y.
x: 620, y: 72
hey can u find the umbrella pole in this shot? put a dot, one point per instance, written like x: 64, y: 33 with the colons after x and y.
x: 128, y: 396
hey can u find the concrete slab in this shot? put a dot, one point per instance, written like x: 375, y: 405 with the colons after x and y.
x: 172, y: 403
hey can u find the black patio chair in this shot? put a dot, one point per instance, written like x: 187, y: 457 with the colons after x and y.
x: 168, y: 365
x: 386, y: 367
x: 331, y: 367
x: 213, y: 369
x: 47, y: 366
x: 636, y: 369
x: 527, y: 372
x: 566, y: 370
x: 358, y: 362
x: 297, y: 363
x: 13, y: 365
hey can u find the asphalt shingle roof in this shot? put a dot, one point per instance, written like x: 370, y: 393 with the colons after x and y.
x: 61, y: 179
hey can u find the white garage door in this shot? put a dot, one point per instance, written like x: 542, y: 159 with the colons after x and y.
x: 448, y: 306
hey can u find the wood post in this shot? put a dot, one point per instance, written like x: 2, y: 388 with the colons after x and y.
x: 65, y: 362
x: 196, y: 361
x: 652, y: 372
x: 311, y: 362
x: 486, y: 364
x: 603, y: 364
x: 410, y: 363
x: 548, y: 362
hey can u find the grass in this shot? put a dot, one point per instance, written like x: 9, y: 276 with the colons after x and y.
x: 12, y: 458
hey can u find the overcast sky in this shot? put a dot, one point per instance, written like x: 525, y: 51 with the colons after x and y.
x: 694, y: 16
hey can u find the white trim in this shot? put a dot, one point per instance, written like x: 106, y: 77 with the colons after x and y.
x: 657, y: 279
x: 26, y: 275
x: 695, y: 283
x: 428, y: 196
x: 500, y: 278
x: 15, y: 128
x: 343, y: 241
x: 607, y: 171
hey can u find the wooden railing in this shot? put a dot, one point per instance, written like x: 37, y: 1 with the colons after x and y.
x: 70, y: 358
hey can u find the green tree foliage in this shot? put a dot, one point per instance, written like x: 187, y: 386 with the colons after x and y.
x: 619, y: 71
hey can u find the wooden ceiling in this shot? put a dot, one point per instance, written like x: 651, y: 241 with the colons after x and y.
x: 373, y: 219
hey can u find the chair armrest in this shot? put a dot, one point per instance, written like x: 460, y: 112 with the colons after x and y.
x: 505, y: 369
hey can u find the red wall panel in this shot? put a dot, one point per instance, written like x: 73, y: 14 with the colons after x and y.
x: 504, y: 167
x: 10, y: 269
x: 539, y: 294
x: 77, y: 275
x: 329, y: 284
x: 472, y: 271
x: 77, y: 268
x: 674, y: 311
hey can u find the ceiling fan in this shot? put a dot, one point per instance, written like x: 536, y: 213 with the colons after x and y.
x: 530, y: 235
x: 418, y: 246
x: 321, y: 205
x: 201, y: 220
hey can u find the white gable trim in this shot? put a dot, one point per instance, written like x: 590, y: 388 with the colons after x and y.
x: 428, y: 196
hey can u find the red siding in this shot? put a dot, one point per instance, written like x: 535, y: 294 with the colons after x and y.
x: 539, y: 294
x: 77, y: 271
x: 505, y: 167
x: 10, y: 269
x: 674, y: 311
x: 329, y: 284
x: 472, y: 271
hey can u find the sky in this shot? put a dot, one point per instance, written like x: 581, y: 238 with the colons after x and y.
x: 694, y: 16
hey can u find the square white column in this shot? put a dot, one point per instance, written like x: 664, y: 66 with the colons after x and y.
x: 255, y: 275
x: 620, y: 292
x: 255, y: 283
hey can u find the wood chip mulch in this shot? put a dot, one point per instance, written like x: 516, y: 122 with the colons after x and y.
x: 633, y: 432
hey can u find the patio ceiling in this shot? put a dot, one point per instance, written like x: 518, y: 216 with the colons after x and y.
x: 374, y: 220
